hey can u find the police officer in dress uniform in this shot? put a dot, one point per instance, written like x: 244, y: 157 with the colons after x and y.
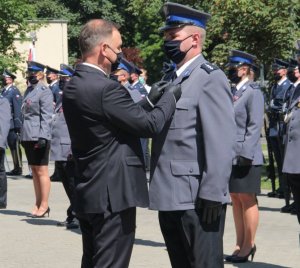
x: 136, y: 84
x: 53, y: 82
x: 122, y: 74
x: 245, y: 179
x: 5, y: 119
x: 192, y: 157
x: 37, y: 110
x: 61, y: 149
x: 12, y: 93
x: 292, y: 145
x: 279, y: 93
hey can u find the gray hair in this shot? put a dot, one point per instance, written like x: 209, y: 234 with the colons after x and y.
x: 94, y: 32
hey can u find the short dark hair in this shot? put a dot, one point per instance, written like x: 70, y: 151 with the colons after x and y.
x: 94, y: 32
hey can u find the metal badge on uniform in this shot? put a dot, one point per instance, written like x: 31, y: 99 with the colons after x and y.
x: 186, y: 73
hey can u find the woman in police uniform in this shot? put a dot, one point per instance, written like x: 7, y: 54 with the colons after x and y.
x: 37, y: 111
x: 245, y: 179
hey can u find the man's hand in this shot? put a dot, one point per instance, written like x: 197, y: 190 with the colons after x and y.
x: 210, y: 210
x: 156, y: 91
x: 175, y: 89
x: 41, y: 143
x: 242, y: 161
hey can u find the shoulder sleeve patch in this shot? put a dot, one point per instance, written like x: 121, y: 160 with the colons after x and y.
x: 208, y: 67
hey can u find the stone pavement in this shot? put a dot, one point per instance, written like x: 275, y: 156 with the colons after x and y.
x: 26, y: 242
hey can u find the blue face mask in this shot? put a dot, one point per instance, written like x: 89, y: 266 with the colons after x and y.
x: 173, y: 52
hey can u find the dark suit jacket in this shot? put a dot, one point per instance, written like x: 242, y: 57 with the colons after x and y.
x: 105, y: 125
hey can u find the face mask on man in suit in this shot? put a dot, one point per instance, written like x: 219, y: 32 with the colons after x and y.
x: 115, y: 64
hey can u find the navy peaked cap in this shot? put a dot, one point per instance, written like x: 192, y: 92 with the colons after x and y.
x: 177, y: 15
x: 125, y: 65
x: 135, y: 69
x: 280, y: 64
x: 6, y: 73
x: 239, y: 57
x: 34, y: 66
x: 66, y: 70
x: 293, y: 64
x: 51, y: 70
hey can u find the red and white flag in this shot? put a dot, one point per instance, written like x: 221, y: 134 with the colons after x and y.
x: 31, y: 55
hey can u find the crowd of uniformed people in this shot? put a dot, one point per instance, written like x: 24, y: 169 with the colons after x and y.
x: 36, y: 121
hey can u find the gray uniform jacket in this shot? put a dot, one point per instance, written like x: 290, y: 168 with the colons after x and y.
x: 193, y: 154
x: 249, y: 115
x: 5, y: 117
x: 60, y: 141
x: 292, y: 146
x: 37, y: 111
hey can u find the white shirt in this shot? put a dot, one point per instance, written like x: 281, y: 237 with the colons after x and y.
x: 281, y: 81
x: 240, y: 84
x: 94, y: 66
x: 184, y: 66
x: 297, y: 83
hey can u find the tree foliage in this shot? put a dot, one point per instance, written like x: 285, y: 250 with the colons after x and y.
x: 266, y: 28
x: 14, y: 24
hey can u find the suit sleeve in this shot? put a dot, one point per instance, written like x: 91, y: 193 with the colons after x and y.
x: 219, y: 130
x: 16, y: 109
x: 255, y: 115
x: 121, y: 111
x: 5, y: 116
x: 46, y: 112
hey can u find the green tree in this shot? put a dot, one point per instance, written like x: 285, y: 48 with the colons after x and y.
x: 14, y: 24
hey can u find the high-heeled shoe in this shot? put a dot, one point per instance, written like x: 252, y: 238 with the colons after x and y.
x: 42, y: 215
x: 239, y: 259
x: 229, y: 257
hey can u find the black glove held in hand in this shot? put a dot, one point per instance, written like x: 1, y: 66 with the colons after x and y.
x: 17, y: 130
x: 41, y: 143
x: 242, y: 161
x: 210, y: 210
x: 175, y: 89
x: 156, y: 91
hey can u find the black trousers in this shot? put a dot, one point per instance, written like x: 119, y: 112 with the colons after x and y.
x: 107, y: 238
x: 3, y: 180
x: 14, y: 146
x: 66, y: 172
x: 190, y: 242
x: 294, y: 182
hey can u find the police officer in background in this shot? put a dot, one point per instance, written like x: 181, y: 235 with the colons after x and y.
x: 278, y: 96
x: 12, y: 93
x: 192, y: 157
x: 5, y: 118
x: 61, y: 149
x: 292, y: 146
x: 53, y: 82
x: 135, y: 82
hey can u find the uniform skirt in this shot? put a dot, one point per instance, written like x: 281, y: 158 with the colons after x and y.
x: 245, y: 179
x: 36, y: 157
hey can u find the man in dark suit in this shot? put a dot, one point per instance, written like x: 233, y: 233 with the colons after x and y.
x: 191, y: 159
x: 105, y: 125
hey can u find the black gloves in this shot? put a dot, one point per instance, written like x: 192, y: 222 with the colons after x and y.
x: 17, y: 130
x: 242, y: 161
x: 41, y: 143
x: 209, y: 209
x: 175, y: 89
x: 156, y: 91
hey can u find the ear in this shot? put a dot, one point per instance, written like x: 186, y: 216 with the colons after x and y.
x: 103, y: 49
x: 195, y: 39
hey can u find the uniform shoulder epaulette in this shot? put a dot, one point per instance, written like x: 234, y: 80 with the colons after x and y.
x: 255, y: 86
x: 43, y: 87
x: 208, y: 67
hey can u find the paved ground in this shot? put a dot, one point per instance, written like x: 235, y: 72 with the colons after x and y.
x: 26, y: 242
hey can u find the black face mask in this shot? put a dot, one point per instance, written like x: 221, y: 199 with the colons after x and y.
x: 48, y: 79
x: 130, y: 80
x: 291, y: 76
x: 62, y: 84
x: 277, y: 76
x: 233, y: 76
x: 173, y: 52
x: 4, y: 82
x: 114, y: 65
x: 32, y: 79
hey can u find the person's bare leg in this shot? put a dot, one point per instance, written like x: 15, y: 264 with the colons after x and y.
x: 45, y: 184
x: 36, y: 185
x: 251, y: 216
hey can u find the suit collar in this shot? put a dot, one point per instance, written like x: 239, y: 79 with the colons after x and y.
x: 90, y: 68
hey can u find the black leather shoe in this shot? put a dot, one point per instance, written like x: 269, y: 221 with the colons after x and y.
x: 240, y: 259
x: 54, y: 177
x: 28, y: 176
x: 286, y: 209
x: 2, y: 206
x: 272, y: 194
x: 72, y: 225
x: 229, y: 258
x: 15, y: 172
